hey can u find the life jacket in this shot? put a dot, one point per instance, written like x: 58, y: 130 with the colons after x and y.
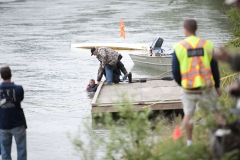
x: 195, y: 62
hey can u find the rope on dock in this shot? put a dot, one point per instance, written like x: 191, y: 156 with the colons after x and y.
x: 224, y: 79
x: 229, y: 76
x: 163, y: 73
x: 147, y: 106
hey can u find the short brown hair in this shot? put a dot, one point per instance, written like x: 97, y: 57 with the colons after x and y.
x: 190, y: 25
x: 6, y: 73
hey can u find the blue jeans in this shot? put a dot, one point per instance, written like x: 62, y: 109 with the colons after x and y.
x: 109, y: 74
x: 19, y: 134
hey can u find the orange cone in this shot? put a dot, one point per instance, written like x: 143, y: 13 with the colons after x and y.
x: 177, y: 133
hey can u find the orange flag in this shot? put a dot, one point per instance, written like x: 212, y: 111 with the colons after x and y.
x: 122, y: 32
x: 177, y: 133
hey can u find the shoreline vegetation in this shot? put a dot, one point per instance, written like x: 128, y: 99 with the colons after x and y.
x: 134, y: 137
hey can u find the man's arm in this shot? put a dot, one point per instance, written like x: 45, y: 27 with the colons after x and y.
x: 215, y: 73
x: 95, y: 88
x: 175, y: 69
x: 100, y: 72
x: 22, y: 93
x: 19, y: 93
x: 216, y: 76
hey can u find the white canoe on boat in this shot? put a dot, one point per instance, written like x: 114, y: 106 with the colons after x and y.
x: 115, y: 46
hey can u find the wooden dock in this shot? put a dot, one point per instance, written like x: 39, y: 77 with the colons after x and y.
x: 156, y: 94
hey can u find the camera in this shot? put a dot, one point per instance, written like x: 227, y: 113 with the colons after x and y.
x: 235, y: 92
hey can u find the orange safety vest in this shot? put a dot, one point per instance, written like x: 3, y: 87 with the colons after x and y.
x: 195, y: 68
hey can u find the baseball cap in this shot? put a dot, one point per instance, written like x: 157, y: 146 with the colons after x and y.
x: 92, y: 50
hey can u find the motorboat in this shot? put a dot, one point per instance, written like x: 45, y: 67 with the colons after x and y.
x: 157, y: 58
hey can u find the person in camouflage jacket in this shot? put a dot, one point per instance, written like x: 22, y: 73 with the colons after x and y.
x: 107, y: 56
x: 110, y: 61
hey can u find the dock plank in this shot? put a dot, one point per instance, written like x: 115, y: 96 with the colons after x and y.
x: 159, y: 94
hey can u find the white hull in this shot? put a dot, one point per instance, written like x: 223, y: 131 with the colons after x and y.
x: 158, y: 63
x: 115, y: 46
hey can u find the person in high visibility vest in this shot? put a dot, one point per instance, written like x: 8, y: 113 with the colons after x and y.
x: 197, y: 73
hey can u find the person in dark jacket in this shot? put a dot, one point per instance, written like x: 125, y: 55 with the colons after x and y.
x: 92, y: 87
x: 12, y: 119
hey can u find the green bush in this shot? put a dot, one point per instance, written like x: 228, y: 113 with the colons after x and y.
x: 134, y: 137
x: 234, y: 15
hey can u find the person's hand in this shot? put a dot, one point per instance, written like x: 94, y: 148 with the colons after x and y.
x: 221, y: 55
x: 99, y: 82
x: 219, y: 91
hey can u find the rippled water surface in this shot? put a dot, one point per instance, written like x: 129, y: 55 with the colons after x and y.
x: 35, y: 37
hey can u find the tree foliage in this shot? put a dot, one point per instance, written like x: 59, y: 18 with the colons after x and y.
x: 133, y: 136
x: 234, y: 15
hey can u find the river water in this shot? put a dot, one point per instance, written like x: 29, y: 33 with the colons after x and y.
x: 35, y: 38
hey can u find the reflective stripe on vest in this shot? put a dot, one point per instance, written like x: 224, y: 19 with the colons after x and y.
x: 197, y: 67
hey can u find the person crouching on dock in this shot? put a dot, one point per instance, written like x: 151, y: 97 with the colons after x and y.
x: 109, y: 60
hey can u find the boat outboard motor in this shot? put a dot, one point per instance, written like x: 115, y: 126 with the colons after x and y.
x: 155, y: 48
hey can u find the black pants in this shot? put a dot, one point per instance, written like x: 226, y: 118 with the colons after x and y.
x: 120, y: 65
